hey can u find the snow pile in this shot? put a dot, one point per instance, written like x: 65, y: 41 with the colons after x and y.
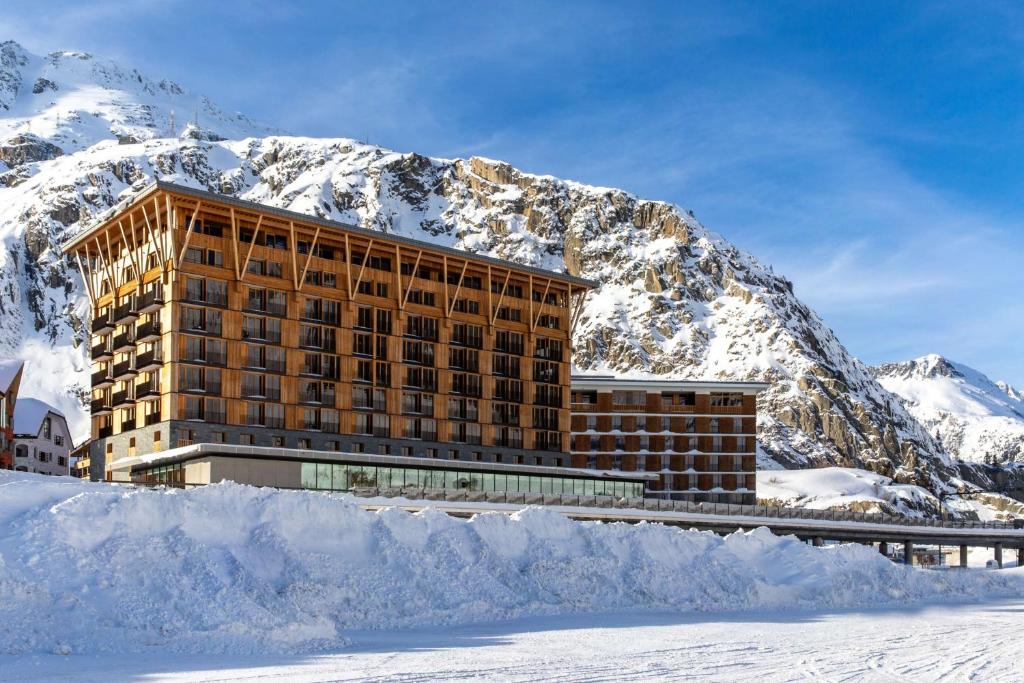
x: 229, y: 568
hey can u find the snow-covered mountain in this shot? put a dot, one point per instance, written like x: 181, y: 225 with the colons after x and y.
x: 77, y: 134
x: 973, y: 417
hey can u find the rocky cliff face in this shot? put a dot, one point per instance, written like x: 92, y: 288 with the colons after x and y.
x: 675, y: 300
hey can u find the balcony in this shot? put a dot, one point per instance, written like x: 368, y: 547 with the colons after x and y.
x: 325, y: 399
x: 267, y: 394
x: 275, y: 366
x: 104, y: 432
x: 209, y: 388
x: 276, y: 309
x: 147, y: 391
x: 207, y: 298
x: 126, y: 313
x: 123, y: 399
x: 148, y: 332
x: 149, y: 361
x: 124, y: 370
x: 101, y: 324
x: 99, y: 406
x: 127, y: 425
x: 152, y: 300
x: 153, y: 418
x: 102, y: 380
x: 102, y: 352
x: 124, y: 342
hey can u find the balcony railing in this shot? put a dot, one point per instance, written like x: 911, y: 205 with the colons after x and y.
x: 124, y: 342
x: 149, y: 331
x: 127, y: 425
x: 101, y: 379
x: 99, y: 406
x: 102, y: 351
x: 147, y: 390
x: 149, y: 361
x: 276, y: 366
x: 269, y: 308
x: 126, y: 313
x: 265, y: 394
x: 123, y: 399
x: 101, y: 324
x: 105, y: 432
x: 208, y: 298
x: 216, y: 416
x: 124, y: 370
x: 153, y: 418
x: 209, y: 388
x: 151, y: 300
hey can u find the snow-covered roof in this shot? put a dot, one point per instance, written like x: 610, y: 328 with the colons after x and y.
x: 29, y: 414
x: 8, y: 371
x: 610, y: 382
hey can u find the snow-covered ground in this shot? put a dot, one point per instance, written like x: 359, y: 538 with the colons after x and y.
x: 92, y: 568
x: 938, y: 642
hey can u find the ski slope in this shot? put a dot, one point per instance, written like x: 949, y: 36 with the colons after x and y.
x: 937, y: 642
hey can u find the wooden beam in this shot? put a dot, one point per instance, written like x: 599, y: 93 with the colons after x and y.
x: 106, y: 266
x: 444, y: 266
x: 188, y: 234
x: 309, y: 257
x: 132, y: 256
x: 465, y: 264
x: 169, y: 230
x: 295, y: 251
x: 150, y: 235
x: 501, y: 298
x: 112, y: 263
x: 348, y: 269
x: 234, y: 242
x: 398, y: 277
x: 540, y: 312
x: 578, y: 312
x: 415, y: 268
x: 85, y: 281
x: 362, y: 270
x: 158, y: 235
x: 255, y: 234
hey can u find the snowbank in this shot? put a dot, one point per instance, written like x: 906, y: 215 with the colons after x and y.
x: 843, y: 487
x: 229, y: 568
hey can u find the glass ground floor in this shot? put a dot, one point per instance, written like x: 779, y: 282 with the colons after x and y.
x: 344, y: 477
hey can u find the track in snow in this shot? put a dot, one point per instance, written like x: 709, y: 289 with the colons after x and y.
x: 960, y: 642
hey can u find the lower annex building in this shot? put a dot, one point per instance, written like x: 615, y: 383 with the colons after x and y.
x: 234, y: 340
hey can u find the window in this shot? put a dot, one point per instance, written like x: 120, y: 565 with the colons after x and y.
x: 261, y: 329
x: 630, y: 398
x: 726, y: 399
x: 468, y: 335
x: 246, y: 439
x: 508, y: 342
x: 58, y: 440
x: 46, y: 427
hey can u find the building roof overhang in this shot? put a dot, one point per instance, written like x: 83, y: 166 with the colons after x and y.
x: 654, y: 384
x: 201, y: 450
x: 287, y: 215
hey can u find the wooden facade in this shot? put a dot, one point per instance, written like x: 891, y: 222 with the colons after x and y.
x: 700, y: 436
x: 212, y: 311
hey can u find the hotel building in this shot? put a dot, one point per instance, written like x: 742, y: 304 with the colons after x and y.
x: 699, y: 437
x: 220, y: 321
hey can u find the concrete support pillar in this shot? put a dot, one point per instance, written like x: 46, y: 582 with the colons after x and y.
x: 908, y: 552
x: 883, y: 548
x: 817, y: 542
x: 963, y: 557
x: 999, y: 555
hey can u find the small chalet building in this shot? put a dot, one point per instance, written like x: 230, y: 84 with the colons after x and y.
x: 42, y: 440
x: 10, y: 380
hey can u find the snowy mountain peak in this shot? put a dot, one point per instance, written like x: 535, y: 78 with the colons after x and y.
x: 972, y: 416
x: 71, y: 100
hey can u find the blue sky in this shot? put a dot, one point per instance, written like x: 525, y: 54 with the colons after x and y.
x: 871, y: 152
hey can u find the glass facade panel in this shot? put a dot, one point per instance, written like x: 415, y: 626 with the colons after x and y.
x: 340, y: 477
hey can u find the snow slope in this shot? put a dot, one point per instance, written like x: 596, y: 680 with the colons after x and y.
x: 842, y: 487
x: 973, y: 417
x: 944, y: 642
x: 288, y: 571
